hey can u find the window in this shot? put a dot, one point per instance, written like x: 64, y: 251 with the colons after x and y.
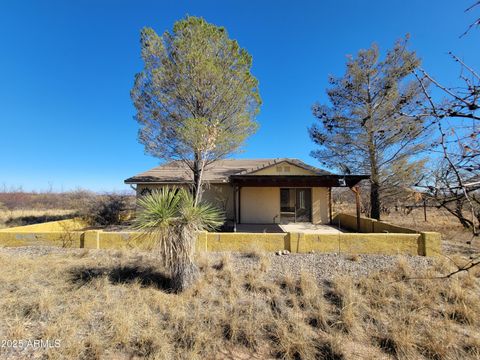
x: 287, y: 200
x: 295, y: 205
x: 301, y: 199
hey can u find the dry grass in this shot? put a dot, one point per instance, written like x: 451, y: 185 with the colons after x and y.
x: 117, y: 305
x: 456, y: 239
x: 10, y: 218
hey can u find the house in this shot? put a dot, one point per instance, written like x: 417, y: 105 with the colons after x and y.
x: 257, y: 191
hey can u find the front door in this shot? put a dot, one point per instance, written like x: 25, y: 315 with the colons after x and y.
x: 295, y: 205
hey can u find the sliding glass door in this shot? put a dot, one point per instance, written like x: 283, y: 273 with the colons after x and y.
x: 295, y: 205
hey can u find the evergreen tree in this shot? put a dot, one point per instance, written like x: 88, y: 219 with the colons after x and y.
x: 196, y: 99
x: 372, y: 124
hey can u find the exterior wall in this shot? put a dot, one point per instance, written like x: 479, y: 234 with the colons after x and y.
x: 220, y: 195
x: 141, y: 187
x: 424, y: 243
x: 260, y: 205
x: 274, y: 170
x: 320, y: 205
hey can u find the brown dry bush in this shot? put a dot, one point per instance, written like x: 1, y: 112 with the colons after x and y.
x: 117, y: 305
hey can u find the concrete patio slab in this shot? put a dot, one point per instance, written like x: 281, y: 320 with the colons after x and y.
x: 307, y: 228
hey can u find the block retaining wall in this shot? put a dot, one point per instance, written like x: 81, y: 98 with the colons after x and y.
x: 391, y: 242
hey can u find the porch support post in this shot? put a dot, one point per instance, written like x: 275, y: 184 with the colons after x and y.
x: 330, y: 210
x: 234, y: 208
x: 356, y: 191
x: 239, y: 204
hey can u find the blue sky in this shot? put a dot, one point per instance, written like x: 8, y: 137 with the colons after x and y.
x: 67, y: 67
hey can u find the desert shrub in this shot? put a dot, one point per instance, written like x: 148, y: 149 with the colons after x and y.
x: 103, y: 210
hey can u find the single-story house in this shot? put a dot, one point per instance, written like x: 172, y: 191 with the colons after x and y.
x: 257, y: 191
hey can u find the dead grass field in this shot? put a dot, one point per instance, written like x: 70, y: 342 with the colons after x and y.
x: 117, y: 305
x: 456, y: 239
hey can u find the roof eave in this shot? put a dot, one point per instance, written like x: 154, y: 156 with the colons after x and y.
x: 330, y: 180
x: 166, y: 182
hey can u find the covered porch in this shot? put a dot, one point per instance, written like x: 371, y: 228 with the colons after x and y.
x: 268, y: 203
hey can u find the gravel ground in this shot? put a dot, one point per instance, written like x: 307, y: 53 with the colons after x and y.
x: 323, y: 266
x: 326, y: 266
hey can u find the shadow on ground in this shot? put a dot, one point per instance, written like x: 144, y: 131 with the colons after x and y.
x: 145, y: 276
x: 34, y: 219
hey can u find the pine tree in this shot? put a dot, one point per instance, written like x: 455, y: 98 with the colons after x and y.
x: 372, y: 124
x: 196, y: 98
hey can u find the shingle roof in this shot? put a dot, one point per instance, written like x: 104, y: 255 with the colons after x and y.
x: 217, y: 172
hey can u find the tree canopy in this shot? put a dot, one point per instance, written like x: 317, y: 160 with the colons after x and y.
x: 372, y: 124
x: 196, y: 98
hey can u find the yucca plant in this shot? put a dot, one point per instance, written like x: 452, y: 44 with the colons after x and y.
x: 169, y: 217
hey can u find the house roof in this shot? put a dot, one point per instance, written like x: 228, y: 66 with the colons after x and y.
x: 217, y: 172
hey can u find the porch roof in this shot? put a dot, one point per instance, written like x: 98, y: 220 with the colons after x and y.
x: 329, y: 180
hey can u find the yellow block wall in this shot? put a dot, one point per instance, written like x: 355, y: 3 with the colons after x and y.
x: 245, y: 241
x: 367, y: 225
x: 47, y: 238
x: 61, y: 225
x: 424, y: 243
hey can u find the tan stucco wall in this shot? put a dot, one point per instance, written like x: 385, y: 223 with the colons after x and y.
x: 274, y: 170
x: 260, y: 205
x: 141, y: 187
x: 220, y: 195
x: 320, y: 205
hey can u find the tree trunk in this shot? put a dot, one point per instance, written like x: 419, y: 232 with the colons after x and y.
x: 372, y: 154
x: 374, y: 200
x: 197, y: 178
x: 196, y: 181
x: 198, y: 166
x: 184, y: 276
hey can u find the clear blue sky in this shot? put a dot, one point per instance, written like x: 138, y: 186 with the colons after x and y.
x: 67, y: 67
